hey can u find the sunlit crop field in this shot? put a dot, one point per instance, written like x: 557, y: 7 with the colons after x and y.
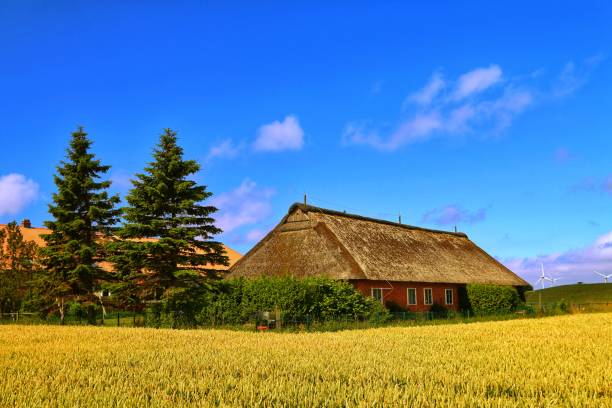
x: 558, y: 361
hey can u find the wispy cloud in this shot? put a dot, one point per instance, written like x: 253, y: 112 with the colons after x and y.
x: 568, y: 82
x: 377, y: 87
x: 417, y: 128
x: 483, y: 100
x: 453, y: 215
x: 571, y: 266
x: 255, y: 235
x: 247, y: 204
x: 476, y: 81
x: 426, y: 94
x: 574, y: 76
x: 449, y: 108
x: 277, y: 136
x: 16, y: 192
x: 249, y: 237
x: 226, y: 149
x: 272, y: 137
x: 592, y: 184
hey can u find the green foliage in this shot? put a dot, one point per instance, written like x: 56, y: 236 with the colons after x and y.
x: 83, y: 212
x: 492, y: 299
x: 393, y: 307
x: 438, y: 310
x: 239, y: 300
x: 573, y: 294
x: 18, y: 262
x: 167, y: 249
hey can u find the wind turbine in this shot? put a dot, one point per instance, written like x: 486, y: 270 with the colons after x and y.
x: 605, y: 277
x: 542, y: 278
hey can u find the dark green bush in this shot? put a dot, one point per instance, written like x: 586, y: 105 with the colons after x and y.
x: 438, y: 310
x: 393, y: 307
x: 236, y: 301
x: 77, y: 310
x: 492, y: 299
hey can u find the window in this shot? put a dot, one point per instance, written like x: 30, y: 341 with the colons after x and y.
x: 377, y: 293
x: 428, y: 296
x: 448, y: 296
x: 412, y: 300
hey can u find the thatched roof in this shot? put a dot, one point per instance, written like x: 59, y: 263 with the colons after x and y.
x: 35, y: 235
x: 313, y: 241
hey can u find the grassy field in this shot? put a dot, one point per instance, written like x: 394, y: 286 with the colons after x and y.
x: 583, y: 293
x: 557, y: 361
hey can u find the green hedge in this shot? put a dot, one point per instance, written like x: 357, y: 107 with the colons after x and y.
x: 236, y: 301
x: 492, y: 299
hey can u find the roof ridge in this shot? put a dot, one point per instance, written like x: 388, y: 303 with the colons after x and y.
x: 21, y: 226
x: 308, y: 207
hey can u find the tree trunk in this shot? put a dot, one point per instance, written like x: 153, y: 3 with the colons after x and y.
x: 91, y: 315
x: 60, y: 307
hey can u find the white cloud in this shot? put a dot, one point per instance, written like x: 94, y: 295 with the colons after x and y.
x: 430, y: 91
x: 227, y: 149
x: 501, y: 111
x: 574, y: 76
x: 246, y: 205
x: 476, y: 81
x: 416, y: 129
x: 277, y: 136
x: 568, y: 81
x: 576, y: 265
x: 447, y: 111
x: 16, y: 192
x: 255, y: 235
x: 459, y: 118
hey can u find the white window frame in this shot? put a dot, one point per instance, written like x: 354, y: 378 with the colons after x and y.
x: 416, y: 297
x: 452, y: 296
x: 425, y: 296
x: 382, y: 294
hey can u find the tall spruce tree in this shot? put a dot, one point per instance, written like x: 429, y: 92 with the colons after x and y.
x: 83, y: 215
x: 168, y: 248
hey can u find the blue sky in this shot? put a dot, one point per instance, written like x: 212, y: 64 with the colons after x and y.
x: 492, y: 118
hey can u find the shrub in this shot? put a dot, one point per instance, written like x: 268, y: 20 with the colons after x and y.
x: 492, y: 299
x: 236, y: 301
x: 394, y: 307
x: 439, y: 311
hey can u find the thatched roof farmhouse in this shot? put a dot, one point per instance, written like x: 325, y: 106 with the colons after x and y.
x: 411, y: 266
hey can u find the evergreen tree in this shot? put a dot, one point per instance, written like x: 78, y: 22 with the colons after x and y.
x: 83, y: 215
x: 168, y: 248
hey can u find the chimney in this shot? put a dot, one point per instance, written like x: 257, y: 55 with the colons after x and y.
x: 26, y: 223
x: 399, y: 220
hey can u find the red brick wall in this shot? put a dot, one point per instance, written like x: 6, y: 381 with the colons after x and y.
x: 397, y: 292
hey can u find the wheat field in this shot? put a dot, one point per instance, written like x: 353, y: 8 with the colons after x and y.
x: 557, y: 361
